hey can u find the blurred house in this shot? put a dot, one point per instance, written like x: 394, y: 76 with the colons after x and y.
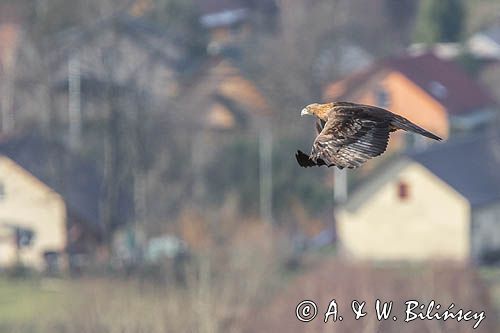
x: 128, y: 52
x: 431, y: 92
x: 486, y: 43
x: 230, y: 21
x: 226, y: 98
x: 29, y: 207
x: 446, y: 51
x: 120, y: 55
x: 120, y: 67
x: 346, y: 57
x: 221, y: 104
x: 52, y: 195
x: 443, y: 203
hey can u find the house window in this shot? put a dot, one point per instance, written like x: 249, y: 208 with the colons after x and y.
x: 403, y: 190
x: 24, y: 237
x: 382, y: 97
x: 52, y: 261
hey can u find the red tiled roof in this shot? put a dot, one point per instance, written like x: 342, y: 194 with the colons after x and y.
x: 443, y: 80
x: 346, y: 87
x: 462, y: 94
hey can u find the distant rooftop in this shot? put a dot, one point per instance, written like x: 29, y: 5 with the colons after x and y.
x: 442, y: 79
x: 221, y: 13
x: 216, y: 6
x: 224, y: 18
x: 470, y: 165
x: 208, y: 7
x: 76, y: 180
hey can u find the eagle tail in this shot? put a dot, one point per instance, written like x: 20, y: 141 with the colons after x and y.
x: 305, y: 161
x: 404, y: 124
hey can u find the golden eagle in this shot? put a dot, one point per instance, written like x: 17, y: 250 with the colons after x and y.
x: 349, y: 134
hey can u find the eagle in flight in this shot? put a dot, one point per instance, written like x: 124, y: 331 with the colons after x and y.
x: 349, y: 134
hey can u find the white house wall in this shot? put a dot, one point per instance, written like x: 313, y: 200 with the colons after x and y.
x: 433, y: 223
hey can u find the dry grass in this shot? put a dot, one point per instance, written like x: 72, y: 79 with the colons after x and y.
x: 239, y: 286
x: 224, y: 283
x: 445, y: 283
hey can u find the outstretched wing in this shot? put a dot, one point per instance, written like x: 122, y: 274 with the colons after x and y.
x: 351, y: 137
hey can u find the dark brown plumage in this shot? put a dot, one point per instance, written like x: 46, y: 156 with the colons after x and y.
x: 349, y: 134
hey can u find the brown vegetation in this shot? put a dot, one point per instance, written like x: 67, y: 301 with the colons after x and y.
x: 445, y: 283
x: 247, y: 290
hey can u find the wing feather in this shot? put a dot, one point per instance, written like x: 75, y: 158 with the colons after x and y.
x: 348, y: 141
x: 353, y: 134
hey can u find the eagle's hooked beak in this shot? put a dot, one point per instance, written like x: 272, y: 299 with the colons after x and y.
x: 304, y: 112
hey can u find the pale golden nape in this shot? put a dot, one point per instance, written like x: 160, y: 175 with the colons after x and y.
x: 318, y: 110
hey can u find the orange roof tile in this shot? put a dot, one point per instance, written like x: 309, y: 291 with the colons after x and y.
x: 460, y: 93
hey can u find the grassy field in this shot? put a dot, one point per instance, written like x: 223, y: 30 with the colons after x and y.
x: 106, y: 305
x: 23, y: 300
x: 492, y: 277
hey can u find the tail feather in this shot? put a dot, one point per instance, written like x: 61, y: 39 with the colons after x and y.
x: 305, y: 160
x: 404, y: 124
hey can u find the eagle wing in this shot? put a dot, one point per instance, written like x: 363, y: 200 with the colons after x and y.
x: 320, y: 124
x: 350, y: 137
x: 304, y: 159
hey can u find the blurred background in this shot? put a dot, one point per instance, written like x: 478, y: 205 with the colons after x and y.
x: 148, y: 180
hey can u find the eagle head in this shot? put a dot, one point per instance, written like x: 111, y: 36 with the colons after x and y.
x: 318, y: 110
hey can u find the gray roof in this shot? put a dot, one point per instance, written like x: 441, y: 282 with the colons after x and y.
x: 470, y: 165
x: 76, y: 180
